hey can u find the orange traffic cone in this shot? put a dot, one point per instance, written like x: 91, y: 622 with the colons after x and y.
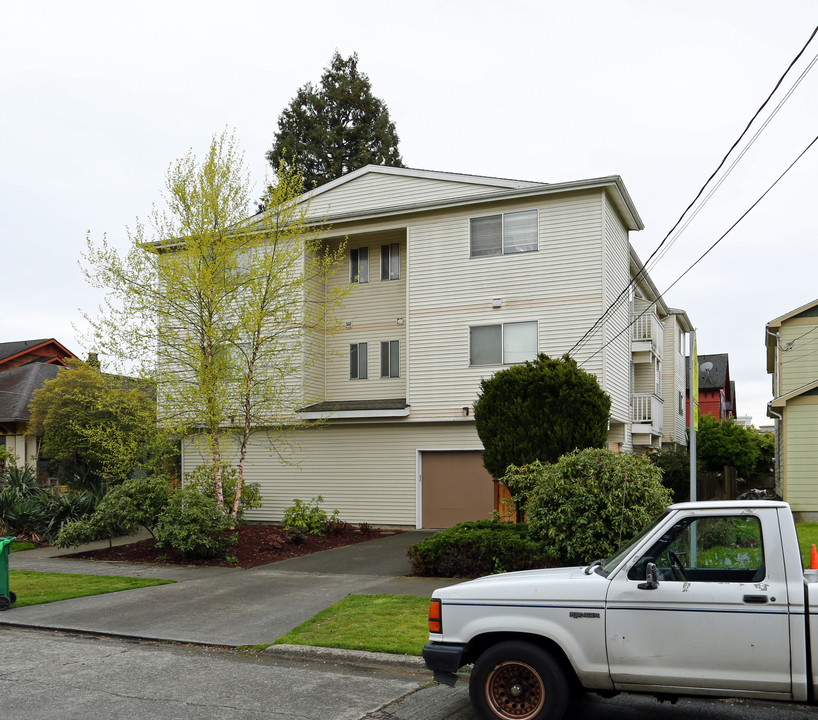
x: 813, y: 560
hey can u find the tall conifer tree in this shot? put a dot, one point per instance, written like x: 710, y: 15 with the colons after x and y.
x: 335, y: 128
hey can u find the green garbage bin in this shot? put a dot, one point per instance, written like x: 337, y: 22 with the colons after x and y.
x: 7, y: 597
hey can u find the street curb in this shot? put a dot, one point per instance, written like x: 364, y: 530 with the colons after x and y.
x: 360, y: 658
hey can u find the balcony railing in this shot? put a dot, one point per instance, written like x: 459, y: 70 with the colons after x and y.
x: 648, y: 330
x: 648, y: 409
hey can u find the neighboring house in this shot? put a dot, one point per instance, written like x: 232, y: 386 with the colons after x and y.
x: 792, y: 359
x: 22, y: 352
x: 457, y: 277
x: 24, y: 366
x: 717, y: 393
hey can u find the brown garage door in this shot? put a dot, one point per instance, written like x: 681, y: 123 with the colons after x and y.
x: 454, y: 487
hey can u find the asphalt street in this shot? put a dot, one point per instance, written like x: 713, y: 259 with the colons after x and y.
x: 46, y: 675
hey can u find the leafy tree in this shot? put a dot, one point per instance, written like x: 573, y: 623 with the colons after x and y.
x: 590, y: 501
x: 675, y: 467
x: 93, y: 424
x: 214, y: 307
x: 539, y: 410
x: 725, y: 442
x: 333, y: 129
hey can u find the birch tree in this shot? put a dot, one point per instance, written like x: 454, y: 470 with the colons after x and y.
x: 215, y: 306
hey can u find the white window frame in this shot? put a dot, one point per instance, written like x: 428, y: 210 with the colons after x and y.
x: 390, y: 261
x: 390, y: 352
x: 504, y: 249
x: 359, y: 265
x: 502, y: 327
x: 360, y: 369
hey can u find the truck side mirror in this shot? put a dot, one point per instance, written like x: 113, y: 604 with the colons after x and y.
x: 651, y: 578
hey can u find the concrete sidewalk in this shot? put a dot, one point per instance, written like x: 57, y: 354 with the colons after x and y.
x: 222, y: 606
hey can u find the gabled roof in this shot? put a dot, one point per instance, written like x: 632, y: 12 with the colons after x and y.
x: 388, y: 191
x: 774, y: 326
x: 478, y: 180
x: 17, y: 386
x: 45, y: 350
x: 782, y: 400
x: 714, y: 372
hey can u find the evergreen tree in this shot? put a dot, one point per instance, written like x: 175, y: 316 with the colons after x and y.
x: 539, y: 410
x: 330, y: 130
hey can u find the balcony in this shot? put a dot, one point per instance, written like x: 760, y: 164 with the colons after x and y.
x: 647, y: 416
x: 648, y: 337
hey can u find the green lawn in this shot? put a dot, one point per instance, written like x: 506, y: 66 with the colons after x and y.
x: 15, y: 546
x: 807, y: 537
x: 378, y: 623
x: 35, y: 588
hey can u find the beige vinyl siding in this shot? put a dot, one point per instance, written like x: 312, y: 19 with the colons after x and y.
x: 801, y: 453
x: 366, y: 471
x: 673, y: 382
x: 558, y: 286
x: 314, y: 349
x: 372, y: 310
x: 377, y: 191
x: 617, y: 354
x: 799, y: 363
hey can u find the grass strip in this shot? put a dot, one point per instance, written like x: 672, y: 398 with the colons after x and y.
x: 377, y: 623
x: 35, y: 588
x: 15, y: 546
x: 807, y: 537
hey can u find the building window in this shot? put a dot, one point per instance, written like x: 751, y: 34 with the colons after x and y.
x: 390, y: 358
x: 358, y: 361
x: 390, y: 261
x: 504, y: 344
x: 359, y: 265
x: 504, y: 234
x: 681, y: 403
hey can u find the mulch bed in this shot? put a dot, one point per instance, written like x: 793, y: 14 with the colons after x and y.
x: 256, y: 545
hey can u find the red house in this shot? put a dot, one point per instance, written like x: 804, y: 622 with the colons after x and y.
x: 717, y: 393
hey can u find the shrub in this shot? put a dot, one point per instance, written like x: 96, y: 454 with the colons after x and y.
x: 472, y: 549
x: 203, y: 479
x: 675, y: 466
x: 309, y: 518
x: 194, y: 525
x: 23, y: 504
x: 591, y: 500
x: 137, y: 502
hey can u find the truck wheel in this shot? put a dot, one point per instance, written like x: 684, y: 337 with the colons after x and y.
x: 518, y: 681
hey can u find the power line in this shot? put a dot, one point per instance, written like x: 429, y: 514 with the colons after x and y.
x: 643, y: 270
x: 709, y: 249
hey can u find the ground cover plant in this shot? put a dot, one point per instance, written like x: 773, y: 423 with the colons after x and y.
x: 377, y: 623
x: 35, y: 588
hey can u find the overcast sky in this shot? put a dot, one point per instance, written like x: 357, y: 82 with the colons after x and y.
x: 98, y: 98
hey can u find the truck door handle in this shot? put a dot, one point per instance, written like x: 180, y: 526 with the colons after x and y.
x: 758, y: 599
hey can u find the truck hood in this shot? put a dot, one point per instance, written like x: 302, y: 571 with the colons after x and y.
x: 569, y: 584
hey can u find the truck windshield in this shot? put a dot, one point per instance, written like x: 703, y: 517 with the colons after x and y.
x: 625, y: 550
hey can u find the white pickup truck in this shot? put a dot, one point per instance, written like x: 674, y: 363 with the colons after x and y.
x: 711, y: 599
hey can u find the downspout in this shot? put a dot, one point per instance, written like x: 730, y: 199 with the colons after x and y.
x: 778, y: 418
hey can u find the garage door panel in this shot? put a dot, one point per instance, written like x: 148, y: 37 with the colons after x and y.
x: 455, y: 487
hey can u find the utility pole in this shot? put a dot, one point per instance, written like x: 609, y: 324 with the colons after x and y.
x: 694, y: 412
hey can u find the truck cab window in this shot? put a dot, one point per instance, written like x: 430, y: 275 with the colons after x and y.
x: 707, y: 549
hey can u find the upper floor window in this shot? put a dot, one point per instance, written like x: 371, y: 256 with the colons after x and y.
x: 504, y: 344
x: 390, y: 358
x: 504, y: 234
x: 358, y: 361
x: 390, y: 261
x: 359, y: 265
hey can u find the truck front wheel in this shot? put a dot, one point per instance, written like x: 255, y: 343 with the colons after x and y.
x: 518, y: 681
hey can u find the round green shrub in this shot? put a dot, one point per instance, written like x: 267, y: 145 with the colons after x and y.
x: 590, y: 501
x: 194, y: 525
x: 472, y: 549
